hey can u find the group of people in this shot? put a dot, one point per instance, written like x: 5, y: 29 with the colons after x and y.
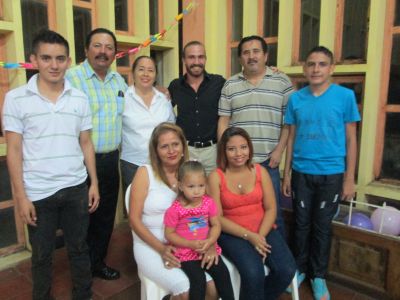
x: 207, y: 185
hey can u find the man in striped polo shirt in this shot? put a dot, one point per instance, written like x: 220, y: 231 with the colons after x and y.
x: 255, y: 99
x: 47, y: 125
x: 105, y: 90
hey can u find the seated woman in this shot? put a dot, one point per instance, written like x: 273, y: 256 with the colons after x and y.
x: 155, y: 187
x: 244, y: 195
x: 145, y: 108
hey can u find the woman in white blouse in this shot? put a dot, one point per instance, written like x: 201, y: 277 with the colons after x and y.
x: 145, y: 108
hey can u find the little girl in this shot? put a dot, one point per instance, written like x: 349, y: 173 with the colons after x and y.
x: 192, y: 226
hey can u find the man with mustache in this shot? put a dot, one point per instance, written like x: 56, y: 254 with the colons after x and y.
x: 196, y: 95
x: 105, y: 90
x: 255, y: 99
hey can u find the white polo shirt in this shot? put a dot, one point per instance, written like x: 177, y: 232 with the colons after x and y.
x: 52, y: 156
x: 138, y: 122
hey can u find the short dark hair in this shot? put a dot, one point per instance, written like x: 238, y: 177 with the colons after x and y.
x: 191, y: 43
x: 49, y: 37
x: 100, y: 30
x: 321, y: 49
x: 222, y: 161
x: 252, y: 38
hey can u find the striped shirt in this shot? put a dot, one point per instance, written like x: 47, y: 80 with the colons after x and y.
x: 51, y: 154
x: 105, y: 102
x: 257, y: 109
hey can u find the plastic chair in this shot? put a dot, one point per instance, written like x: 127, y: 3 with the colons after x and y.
x: 150, y: 290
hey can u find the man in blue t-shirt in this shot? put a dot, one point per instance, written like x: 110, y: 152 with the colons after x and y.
x: 320, y: 163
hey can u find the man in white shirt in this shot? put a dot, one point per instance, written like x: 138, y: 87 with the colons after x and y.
x: 49, y: 153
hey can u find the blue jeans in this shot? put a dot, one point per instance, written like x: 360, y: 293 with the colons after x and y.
x: 254, y: 284
x: 315, y: 202
x: 276, y: 182
x: 67, y: 209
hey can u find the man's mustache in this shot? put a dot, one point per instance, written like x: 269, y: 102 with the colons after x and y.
x: 196, y: 65
x: 103, y: 56
x: 250, y: 61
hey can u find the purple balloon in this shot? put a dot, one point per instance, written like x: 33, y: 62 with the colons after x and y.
x: 359, y: 220
x: 390, y: 219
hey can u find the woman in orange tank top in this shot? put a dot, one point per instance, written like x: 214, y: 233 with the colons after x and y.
x: 245, y: 198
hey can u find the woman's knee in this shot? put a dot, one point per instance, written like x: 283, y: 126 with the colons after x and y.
x: 182, y: 296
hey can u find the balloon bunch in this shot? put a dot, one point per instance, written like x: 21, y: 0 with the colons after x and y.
x: 384, y: 219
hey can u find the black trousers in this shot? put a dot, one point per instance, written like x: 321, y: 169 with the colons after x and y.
x: 66, y: 209
x: 315, y: 202
x: 102, y: 220
x: 197, y: 279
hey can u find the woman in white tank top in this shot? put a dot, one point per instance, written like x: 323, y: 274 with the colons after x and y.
x: 154, y: 188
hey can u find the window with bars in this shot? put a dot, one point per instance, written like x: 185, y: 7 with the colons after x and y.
x: 352, y: 31
x: 270, y: 20
x: 388, y: 166
x: 235, y: 34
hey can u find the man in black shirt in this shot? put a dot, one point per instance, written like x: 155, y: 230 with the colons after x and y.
x: 196, y: 95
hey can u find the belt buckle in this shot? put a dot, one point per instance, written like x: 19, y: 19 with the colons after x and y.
x: 198, y: 144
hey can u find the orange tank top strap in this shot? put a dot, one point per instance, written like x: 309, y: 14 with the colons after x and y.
x: 222, y: 178
x: 258, y: 172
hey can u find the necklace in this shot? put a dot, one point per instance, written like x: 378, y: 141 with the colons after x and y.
x: 239, y: 186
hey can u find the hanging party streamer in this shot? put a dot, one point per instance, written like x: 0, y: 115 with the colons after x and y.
x: 147, y: 42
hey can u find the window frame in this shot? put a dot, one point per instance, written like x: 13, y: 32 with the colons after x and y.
x: 385, y: 108
x: 91, y: 6
x: 340, y: 5
x: 271, y: 40
x: 297, y: 32
x: 131, y: 26
x: 231, y: 44
x: 160, y: 4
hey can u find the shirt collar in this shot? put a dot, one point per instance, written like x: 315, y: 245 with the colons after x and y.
x: 184, y: 77
x: 89, y: 72
x: 268, y: 72
x: 32, y: 85
x: 132, y: 92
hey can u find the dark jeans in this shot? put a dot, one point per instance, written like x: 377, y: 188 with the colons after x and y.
x: 102, y: 220
x: 197, y: 279
x: 128, y: 171
x: 66, y: 209
x: 276, y: 182
x: 315, y: 202
x: 254, y: 284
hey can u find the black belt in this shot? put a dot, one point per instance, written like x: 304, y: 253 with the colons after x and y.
x: 107, y: 154
x: 202, y: 144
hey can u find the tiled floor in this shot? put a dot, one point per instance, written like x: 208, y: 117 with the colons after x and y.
x: 16, y: 283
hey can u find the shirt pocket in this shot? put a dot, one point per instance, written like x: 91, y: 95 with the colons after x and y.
x: 120, y: 105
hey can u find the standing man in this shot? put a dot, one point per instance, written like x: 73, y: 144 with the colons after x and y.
x: 321, y: 151
x: 255, y: 99
x: 105, y: 90
x: 196, y: 95
x: 47, y: 126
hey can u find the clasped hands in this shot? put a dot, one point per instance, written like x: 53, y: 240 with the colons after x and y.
x: 203, y: 247
x: 260, y: 244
